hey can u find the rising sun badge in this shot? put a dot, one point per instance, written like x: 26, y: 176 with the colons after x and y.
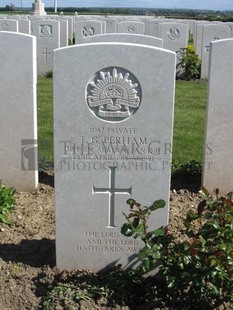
x: 113, y: 94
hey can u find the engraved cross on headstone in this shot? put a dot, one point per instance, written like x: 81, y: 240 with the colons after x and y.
x: 111, y: 191
x: 46, y: 53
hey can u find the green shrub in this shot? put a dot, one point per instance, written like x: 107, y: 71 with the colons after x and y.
x: 44, y: 164
x: 68, y: 296
x: 191, y: 168
x: 189, y: 66
x: 7, y: 203
x: 49, y: 74
x: 198, y: 267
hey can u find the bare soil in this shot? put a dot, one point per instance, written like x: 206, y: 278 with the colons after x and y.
x: 27, y: 251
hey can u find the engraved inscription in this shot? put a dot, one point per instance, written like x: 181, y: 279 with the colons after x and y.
x: 111, y: 191
x: 215, y: 38
x: 109, y: 23
x: 131, y: 29
x: 88, y: 31
x: 45, y: 53
x: 45, y: 30
x: 3, y: 26
x: 173, y: 33
x: 113, y: 94
x: 108, y: 242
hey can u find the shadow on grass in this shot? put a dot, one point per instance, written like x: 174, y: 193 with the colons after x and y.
x: 189, y: 182
x: 47, y: 177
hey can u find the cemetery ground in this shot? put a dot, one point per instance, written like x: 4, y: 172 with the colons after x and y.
x: 28, y: 276
x: 27, y: 261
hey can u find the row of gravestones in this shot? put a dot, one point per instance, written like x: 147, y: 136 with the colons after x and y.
x: 204, y: 33
x: 52, y: 34
x: 113, y: 125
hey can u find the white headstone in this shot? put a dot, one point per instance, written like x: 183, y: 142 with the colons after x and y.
x: 113, y: 136
x: 211, y: 33
x: 198, y: 37
x: 18, y: 117
x: 230, y: 24
x: 47, y: 33
x: 9, y: 25
x: 24, y: 25
x: 132, y: 27
x: 70, y: 26
x: 174, y: 35
x: 127, y: 38
x: 153, y: 28
x: 63, y: 32
x: 111, y: 24
x: 218, y: 160
x: 87, y: 28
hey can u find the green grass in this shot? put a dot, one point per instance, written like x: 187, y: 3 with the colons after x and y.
x: 45, y: 117
x: 189, y: 120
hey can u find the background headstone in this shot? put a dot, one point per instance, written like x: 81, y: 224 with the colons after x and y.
x: 174, y: 35
x: 211, y: 33
x: 132, y: 27
x: 18, y: 117
x: 87, y: 28
x: 125, y: 37
x: 113, y: 136
x: 218, y: 160
x: 9, y: 25
x: 47, y: 33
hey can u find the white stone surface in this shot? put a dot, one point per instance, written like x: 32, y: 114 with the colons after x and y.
x: 153, y: 28
x: 174, y: 35
x: 47, y: 33
x: 18, y: 117
x: 113, y: 133
x: 70, y: 21
x: 24, y: 25
x: 38, y: 8
x: 125, y: 37
x: 218, y: 160
x: 211, y: 33
x: 132, y: 27
x: 230, y: 24
x: 111, y: 25
x: 198, y: 37
x: 63, y: 32
x: 87, y: 28
x: 9, y: 25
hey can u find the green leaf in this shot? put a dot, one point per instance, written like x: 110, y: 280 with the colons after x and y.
x: 213, y: 262
x: 139, y: 230
x: 201, y: 207
x: 204, y: 192
x: 131, y: 202
x: 191, y: 216
x: 126, y: 230
x: 135, y: 222
x: 160, y: 231
x: 5, y: 219
x: 158, y: 204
